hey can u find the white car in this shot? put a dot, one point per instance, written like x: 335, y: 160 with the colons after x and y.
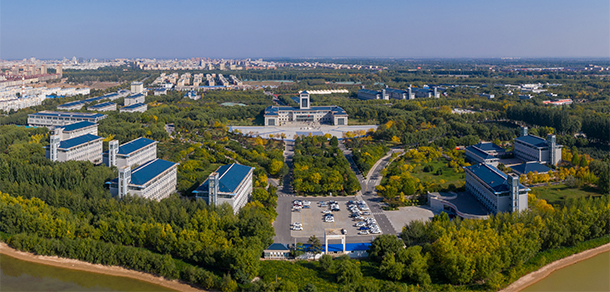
x: 326, y: 212
x: 297, y: 224
x: 363, y: 232
x: 297, y: 228
x: 375, y: 231
x: 360, y: 224
x: 306, y: 203
x: 366, y: 213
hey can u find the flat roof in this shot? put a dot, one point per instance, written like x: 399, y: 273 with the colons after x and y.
x: 369, y: 91
x: 105, y: 104
x: 69, y: 114
x: 533, y: 140
x: 135, y: 145
x: 135, y: 105
x: 478, y: 152
x: 527, y: 167
x: 67, y: 144
x: 77, y: 125
x: 230, y: 177
x: 149, y: 170
x: 135, y: 95
x: 493, y: 177
x: 488, y: 146
x: 72, y: 103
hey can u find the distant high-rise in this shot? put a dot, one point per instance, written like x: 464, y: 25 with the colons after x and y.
x: 58, y: 69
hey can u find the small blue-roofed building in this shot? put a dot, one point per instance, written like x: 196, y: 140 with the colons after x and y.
x: 76, y: 129
x: 132, y: 153
x: 533, y: 148
x: 52, y: 119
x: 366, y: 94
x: 103, y: 107
x: 84, y: 147
x: 160, y: 91
x: 155, y: 180
x: 531, y: 166
x: 231, y: 184
x: 484, y: 152
x: 192, y: 95
x: 305, y: 114
x: 276, y: 251
x: 73, y: 105
x: 134, y: 99
x: 137, y: 107
x: 497, y: 191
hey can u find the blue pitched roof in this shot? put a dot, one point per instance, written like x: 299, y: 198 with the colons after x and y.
x: 135, y: 105
x: 230, y: 176
x: 527, y: 167
x: 277, y: 246
x: 72, y: 103
x: 304, y: 92
x: 487, y: 146
x: 69, y: 114
x: 66, y: 144
x: 135, y: 95
x: 101, y: 105
x: 478, y: 152
x: 77, y: 125
x: 374, y: 92
x: 492, y: 176
x: 533, y: 140
x: 135, y: 145
x: 149, y: 170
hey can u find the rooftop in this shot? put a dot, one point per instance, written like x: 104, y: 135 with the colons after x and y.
x: 77, y: 125
x: 149, y: 170
x: 230, y: 176
x: 101, y: 105
x: 277, y: 246
x: 67, y: 144
x: 68, y: 114
x: 135, y: 105
x: 478, y: 152
x: 487, y: 146
x: 272, y: 109
x: 533, y: 140
x: 135, y: 95
x: 72, y: 103
x: 369, y: 91
x: 492, y: 176
x: 135, y: 145
x: 527, y: 167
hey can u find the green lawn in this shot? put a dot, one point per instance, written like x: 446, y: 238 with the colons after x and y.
x: 557, y: 194
x: 449, y: 175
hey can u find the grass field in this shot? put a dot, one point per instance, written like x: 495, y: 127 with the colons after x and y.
x: 557, y: 194
x: 449, y: 175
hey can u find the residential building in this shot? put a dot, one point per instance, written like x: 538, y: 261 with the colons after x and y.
x: 160, y: 91
x: 137, y: 107
x: 534, y: 148
x: 51, y: 118
x: 305, y: 114
x: 137, y: 87
x: 133, y: 99
x: 85, y: 147
x: 77, y: 129
x: 231, y: 183
x: 73, y: 105
x: 497, y: 191
x: 133, y: 153
x: 103, y: 107
x: 155, y: 180
x: 488, y: 153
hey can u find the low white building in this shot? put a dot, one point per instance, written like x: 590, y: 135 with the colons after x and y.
x: 134, y: 99
x: 497, y: 191
x: 137, y: 87
x: 77, y: 129
x: 231, y: 183
x: 533, y: 148
x: 103, y: 107
x: 132, y: 153
x: 70, y: 106
x: 488, y: 153
x: 85, y: 147
x: 52, y: 119
x: 155, y: 180
x: 134, y: 108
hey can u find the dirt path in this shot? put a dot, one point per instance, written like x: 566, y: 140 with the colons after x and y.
x: 94, y: 268
x: 545, y: 271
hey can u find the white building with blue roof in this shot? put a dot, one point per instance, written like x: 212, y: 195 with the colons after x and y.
x: 73, y: 105
x: 133, y: 153
x: 231, y: 184
x: 134, y: 99
x: 76, y: 129
x: 84, y: 147
x: 533, y: 148
x: 155, y: 180
x: 484, y: 152
x: 103, y: 107
x: 497, y: 191
x: 305, y: 114
x: 133, y: 108
x: 51, y: 119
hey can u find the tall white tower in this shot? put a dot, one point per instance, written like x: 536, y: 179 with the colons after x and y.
x: 213, y: 188
x: 113, y: 150
x: 54, y: 145
x: 124, y: 180
x: 304, y: 100
x: 513, y: 184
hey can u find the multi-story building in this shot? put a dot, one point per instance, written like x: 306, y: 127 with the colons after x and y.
x: 488, y: 153
x: 52, y: 119
x: 70, y: 106
x: 133, y: 153
x: 155, y: 180
x: 231, y: 183
x: 365, y: 94
x: 137, y: 87
x: 497, y: 191
x: 77, y: 129
x: 85, y: 147
x: 133, y: 99
x: 15, y: 103
x: 137, y: 107
x: 103, y: 107
x: 533, y: 148
x: 305, y: 114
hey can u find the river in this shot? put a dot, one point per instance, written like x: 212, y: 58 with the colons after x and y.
x: 18, y: 275
x: 590, y: 275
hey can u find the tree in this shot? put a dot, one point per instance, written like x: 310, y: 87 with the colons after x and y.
x: 288, y: 286
x: 384, y: 245
x: 415, y: 265
x: 334, y: 141
x: 315, y: 245
x: 310, y: 287
x: 390, y: 269
x: 414, y: 233
x: 228, y: 284
x: 326, y: 263
x: 348, y: 272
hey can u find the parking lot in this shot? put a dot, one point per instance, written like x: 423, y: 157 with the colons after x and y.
x: 312, y: 219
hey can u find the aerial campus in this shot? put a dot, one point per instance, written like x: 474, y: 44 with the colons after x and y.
x: 302, y: 173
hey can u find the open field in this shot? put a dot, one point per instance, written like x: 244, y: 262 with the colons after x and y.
x: 449, y: 175
x: 558, y: 194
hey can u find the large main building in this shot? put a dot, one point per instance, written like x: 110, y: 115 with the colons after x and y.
x: 497, y: 191
x: 305, y: 114
x: 231, y: 183
x: 534, y: 148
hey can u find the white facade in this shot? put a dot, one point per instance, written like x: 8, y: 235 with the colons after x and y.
x: 65, y: 135
x: 137, y: 87
x: 305, y: 114
x: 130, y: 154
x: 52, y: 119
x: 157, y: 188
x: 534, y: 148
x: 90, y: 150
x: 134, y: 99
x: 15, y: 103
x: 134, y: 108
x: 104, y: 107
x: 485, y: 182
x: 231, y: 184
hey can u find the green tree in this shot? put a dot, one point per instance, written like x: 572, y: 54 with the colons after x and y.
x: 334, y: 141
x: 228, y: 284
x: 288, y: 286
x: 315, y: 245
x: 326, y: 263
x: 384, y: 245
x: 390, y: 269
x: 348, y: 272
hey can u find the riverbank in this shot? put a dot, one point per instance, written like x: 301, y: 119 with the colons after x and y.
x: 545, y: 271
x: 93, y: 268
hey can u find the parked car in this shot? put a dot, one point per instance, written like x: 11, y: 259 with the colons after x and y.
x: 366, y: 213
x: 343, y: 231
x: 363, y: 232
x: 297, y: 228
x: 363, y: 228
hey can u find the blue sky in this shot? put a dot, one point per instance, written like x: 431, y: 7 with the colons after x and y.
x: 284, y: 28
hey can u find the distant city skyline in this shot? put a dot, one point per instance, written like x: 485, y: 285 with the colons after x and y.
x: 310, y: 29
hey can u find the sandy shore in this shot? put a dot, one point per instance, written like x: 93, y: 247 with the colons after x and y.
x: 94, y: 268
x: 545, y: 271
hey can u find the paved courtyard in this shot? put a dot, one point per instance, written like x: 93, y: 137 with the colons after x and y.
x: 405, y: 215
x: 291, y: 131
